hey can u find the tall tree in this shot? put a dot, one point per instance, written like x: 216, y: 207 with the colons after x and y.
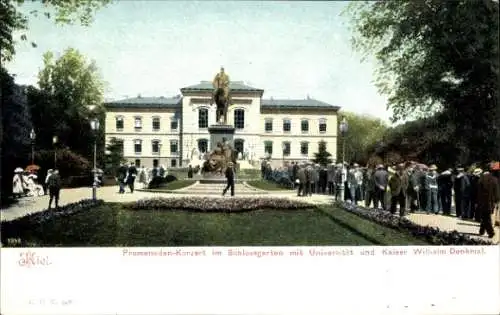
x: 322, y: 157
x: 114, y: 156
x: 363, y: 130
x: 68, y: 86
x: 15, y: 120
x: 12, y: 18
x: 437, y: 56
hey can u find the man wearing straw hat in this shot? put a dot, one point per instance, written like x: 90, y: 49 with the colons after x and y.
x: 230, y: 179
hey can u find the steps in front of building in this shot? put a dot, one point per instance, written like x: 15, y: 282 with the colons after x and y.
x: 216, y: 189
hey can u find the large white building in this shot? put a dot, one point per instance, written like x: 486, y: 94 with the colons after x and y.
x: 162, y: 130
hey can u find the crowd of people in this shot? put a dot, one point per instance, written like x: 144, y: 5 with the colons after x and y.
x: 26, y: 184
x: 404, y: 188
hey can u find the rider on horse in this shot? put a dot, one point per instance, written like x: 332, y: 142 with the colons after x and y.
x: 221, y: 81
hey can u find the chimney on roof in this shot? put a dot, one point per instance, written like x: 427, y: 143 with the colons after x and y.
x: 139, y: 96
x: 308, y: 97
x: 272, y: 98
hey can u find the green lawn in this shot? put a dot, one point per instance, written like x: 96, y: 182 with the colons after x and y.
x: 111, y: 225
x: 266, y: 185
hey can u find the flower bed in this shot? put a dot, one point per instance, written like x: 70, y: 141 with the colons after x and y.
x: 209, y: 204
x: 12, y: 228
x: 432, y: 235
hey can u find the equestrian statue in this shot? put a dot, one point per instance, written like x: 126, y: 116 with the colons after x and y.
x: 221, y: 95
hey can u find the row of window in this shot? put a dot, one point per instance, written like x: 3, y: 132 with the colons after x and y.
x: 239, y: 122
x: 156, y: 163
x: 155, y: 146
x: 239, y: 118
x: 174, y: 123
x: 286, y: 148
x: 287, y: 125
x: 203, y: 146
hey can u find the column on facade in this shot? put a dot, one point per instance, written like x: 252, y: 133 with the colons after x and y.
x: 212, y: 113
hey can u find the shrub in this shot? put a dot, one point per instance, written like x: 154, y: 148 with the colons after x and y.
x: 68, y: 162
x: 14, y: 228
x: 431, y: 234
x: 159, y: 182
x: 210, y: 204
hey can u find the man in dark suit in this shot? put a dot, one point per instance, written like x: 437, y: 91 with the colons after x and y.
x: 380, y: 178
x: 230, y: 179
x: 445, y: 186
x: 121, y: 176
x: 488, y: 197
x: 54, y: 184
x: 132, y: 174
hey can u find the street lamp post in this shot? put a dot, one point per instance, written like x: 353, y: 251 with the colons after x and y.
x: 283, y: 147
x: 344, y: 127
x: 54, y: 142
x: 32, y: 137
x: 159, y: 154
x: 94, y: 125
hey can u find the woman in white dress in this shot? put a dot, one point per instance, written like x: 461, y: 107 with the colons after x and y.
x: 18, y: 183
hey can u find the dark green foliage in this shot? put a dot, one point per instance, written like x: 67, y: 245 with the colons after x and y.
x: 363, y: 131
x: 16, y: 127
x: 114, y: 156
x: 438, y: 57
x: 322, y: 157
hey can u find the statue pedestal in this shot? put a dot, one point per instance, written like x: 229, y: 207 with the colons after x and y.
x: 219, y: 133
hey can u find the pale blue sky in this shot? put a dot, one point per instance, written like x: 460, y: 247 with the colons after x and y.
x: 154, y: 48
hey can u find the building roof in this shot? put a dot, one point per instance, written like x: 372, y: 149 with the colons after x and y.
x: 305, y: 103
x: 233, y: 85
x: 146, y: 102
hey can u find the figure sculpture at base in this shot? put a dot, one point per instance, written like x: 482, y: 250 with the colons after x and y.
x: 217, y: 160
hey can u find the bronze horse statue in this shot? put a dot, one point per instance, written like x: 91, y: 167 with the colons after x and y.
x: 222, y: 103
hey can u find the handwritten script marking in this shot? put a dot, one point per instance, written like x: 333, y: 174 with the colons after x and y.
x: 31, y: 259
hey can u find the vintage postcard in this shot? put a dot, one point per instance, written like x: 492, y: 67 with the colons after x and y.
x: 250, y: 157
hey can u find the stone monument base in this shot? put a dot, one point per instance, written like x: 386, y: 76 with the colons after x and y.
x: 219, y: 133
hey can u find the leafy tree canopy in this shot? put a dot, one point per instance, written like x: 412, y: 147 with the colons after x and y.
x: 12, y: 18
x: 437, y: 56
x: 68, y: 85
x: 362, y: 131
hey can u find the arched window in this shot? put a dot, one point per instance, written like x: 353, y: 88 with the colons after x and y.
x: 202, y: 145
x: 202, y: 118
x: 322, y: 125
x: 239, y: 118
x: 239, y: 145
x: 119, y: 123
x: 138, y: 146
